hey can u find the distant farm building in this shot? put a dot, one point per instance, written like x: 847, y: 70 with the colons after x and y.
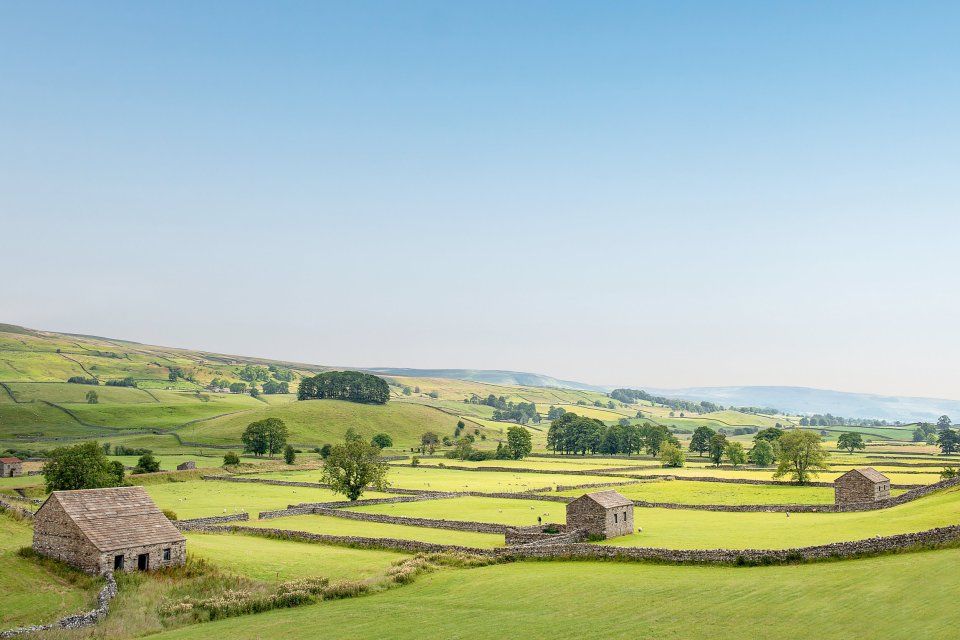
x: 10, y: 467
x: 104, y: 530
x: 186, y: 466
x: 861, y: 485
x: 604, y: 513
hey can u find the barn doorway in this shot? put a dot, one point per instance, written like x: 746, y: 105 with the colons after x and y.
x: 118, y: 563
x: 143, y: 562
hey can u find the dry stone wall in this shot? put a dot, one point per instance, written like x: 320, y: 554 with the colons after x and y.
x: 77, y: 620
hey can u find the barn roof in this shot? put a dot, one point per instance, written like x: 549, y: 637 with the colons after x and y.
x: 608, y: 499
x: 10, y: 460
x: 869, y: 473
x: 116, y: 518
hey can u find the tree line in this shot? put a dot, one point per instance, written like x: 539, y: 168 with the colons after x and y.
x: 352, y: 386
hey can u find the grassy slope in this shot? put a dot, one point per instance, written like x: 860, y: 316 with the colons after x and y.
x: 319, y: 421
x: 872, y: 598
x: 30, y: 594
x: 279, y: 560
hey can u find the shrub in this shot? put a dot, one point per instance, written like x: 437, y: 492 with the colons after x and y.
x: 325, y: 451
x: 382, y: 440
x: 231, y: 458
x: 170, y: 513
x: 289, y: 455
x: 147, y: 464
x: 415, y: 461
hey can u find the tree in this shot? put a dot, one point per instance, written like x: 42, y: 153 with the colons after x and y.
x: 948, y: 441
x: 944, y: 422
x: 519, y: 442
x: 762, y: 453
x: 671, y: 456
x: 238, y: 387
x: 429, y: 441
x: 769, y: 434
x: 850, y: 441
x: 289, y: 454
x: 462, y: 448
x: 801, y: 456
x: 81, y: 466
x: 382, y: 440
x: 700, y: 442
x: 267, y: 436
x: 325, y: 451
x: 352, y: 466
x: 736, y: 454
x: 718, y: 447
x: 106, y: 448
x: 230, y: 458
x: 92, y: 397
x: 147, y: 464
x: 117, y: 471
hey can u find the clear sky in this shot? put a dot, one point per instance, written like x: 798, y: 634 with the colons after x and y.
x: 645, y: 193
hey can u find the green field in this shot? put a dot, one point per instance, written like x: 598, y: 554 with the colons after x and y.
x: 907, y: 596
x: 198, y: 498
x: 344, y: 527
x: 30, y: 593
x: 435, y: 479
x: 278, y: 560
x: 684, y: 492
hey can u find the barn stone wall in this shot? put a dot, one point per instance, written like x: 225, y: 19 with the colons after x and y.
x: 55, y: 535
x: 178, y: 557
x: 854, y: 488
x: 595, y: 519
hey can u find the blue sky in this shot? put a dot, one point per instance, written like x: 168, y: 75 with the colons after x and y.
x: 662, y: 194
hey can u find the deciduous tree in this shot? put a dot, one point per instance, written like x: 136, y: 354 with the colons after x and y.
x: 352, y: 466
x: 801, y: 456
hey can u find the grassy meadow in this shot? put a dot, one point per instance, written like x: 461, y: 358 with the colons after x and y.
x: 904, y: 596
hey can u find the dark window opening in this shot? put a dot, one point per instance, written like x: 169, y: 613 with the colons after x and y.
x: 166, y: 554
x: 118, y: 563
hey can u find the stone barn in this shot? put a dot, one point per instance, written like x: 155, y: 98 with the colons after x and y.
x: 10, y: 467
x: 104, y: 530
x: 601, y: 513
x: 861, y: 485
x: 187, y: 466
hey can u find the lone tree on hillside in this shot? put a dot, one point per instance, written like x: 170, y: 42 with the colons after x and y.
x: 267, y: 436
x: 801, y: 456
x: 519, y: 442
x: 289, y: 454
x: 700, y: 442
x: 92, y: 397
x: 382, y: 440
x: 850, y: 441
x: 82, y: 466
x: 429, y: 441
x: 944, y: 422
x: 352, y: 466
x: 718, y: 447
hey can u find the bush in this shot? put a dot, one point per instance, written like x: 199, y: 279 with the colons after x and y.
x: 477, y: 456
x: 289, y: 455
x: 415, y: 461
x: 382, y: 440
x: 231, y: 458
x: 170, y: 513
x: 325, y: 451
x: 147, y: 464
x: 83, y: 380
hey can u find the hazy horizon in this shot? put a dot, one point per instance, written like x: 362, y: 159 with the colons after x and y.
x: 693, y: 194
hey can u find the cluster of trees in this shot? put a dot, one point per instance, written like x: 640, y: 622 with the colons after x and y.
x: 520, y: 412
x: 353, y: 465
x: 555, y: 412
x: 271, y: 387
x: 571, y: 433
x: 253, y: 374
x: 179, y: 373
x: 345, y: 385
x: 925, y: 432
x: 122, y: 382
x: 82, y: 380
x: 265, y: 437
x: 280, y: 374
x: 630, y: 396
x: 718, y: 448
x: 81, y: 466
x: 122, y: 450
x: 829, y: 420
x: 519, y: 444
x: 949, y: 441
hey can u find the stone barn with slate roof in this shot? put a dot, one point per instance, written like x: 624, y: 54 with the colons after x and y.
x: 10, y: 467
x: 601, y: 513
x: 861, y: 485
x: 104, y: 530
x: 187, y: 466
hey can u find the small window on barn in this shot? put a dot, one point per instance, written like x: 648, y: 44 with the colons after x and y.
x: 166, y: 554
x: 614, y: 518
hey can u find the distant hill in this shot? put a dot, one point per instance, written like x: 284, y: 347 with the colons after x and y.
x: 489, y: 376
x: 804, y: 400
